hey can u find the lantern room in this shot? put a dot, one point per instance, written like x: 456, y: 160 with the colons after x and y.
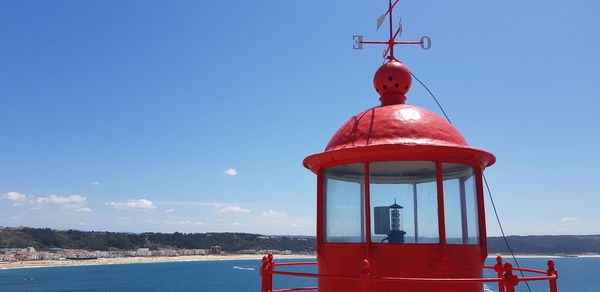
x: 399, y: 187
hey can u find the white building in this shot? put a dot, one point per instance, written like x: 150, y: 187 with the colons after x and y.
x: 142, y: 252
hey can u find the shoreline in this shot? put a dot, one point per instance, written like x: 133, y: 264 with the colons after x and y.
x: 144, y: 260
x: 136, y: 260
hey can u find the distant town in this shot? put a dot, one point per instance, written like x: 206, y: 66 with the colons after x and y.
x: 31, y: 254
x: 44, y: 244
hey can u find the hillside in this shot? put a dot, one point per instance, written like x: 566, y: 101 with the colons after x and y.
x: 546, y: 244
x: 44, y: 239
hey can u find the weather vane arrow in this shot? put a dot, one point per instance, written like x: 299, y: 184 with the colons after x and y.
x: 424, y: 42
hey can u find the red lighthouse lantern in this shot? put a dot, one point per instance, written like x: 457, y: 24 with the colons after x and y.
x: 392, y: 158
x: 412, y: 157
x: 400, y: 200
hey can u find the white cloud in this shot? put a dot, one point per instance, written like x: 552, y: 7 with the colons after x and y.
x: 96, y: 183
x: 274, y: 214
x: 70, y: 202
x: 191, y: 203
x: 183, y: 222
x: 568, y: 220
x: 140, y: 204
x: 234, y: 209
x: 231, y: 172
x: 169, y: 210
x: 18, y: 199
x: 236, y: 224
x: 73, y: 202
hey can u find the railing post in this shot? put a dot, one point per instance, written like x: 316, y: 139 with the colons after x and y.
x: 499, y: 268
x: 365, y: 276
x: 263, y: 275
x: 552, y: 272
x: 271, y: 268
x: 266, y: 273
x: 510, y: 280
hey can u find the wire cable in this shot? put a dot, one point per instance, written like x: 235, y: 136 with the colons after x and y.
x: 431, y: 93
x: 486, y: 185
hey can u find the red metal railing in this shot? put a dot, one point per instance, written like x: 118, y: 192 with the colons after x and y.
x: 507, y: 280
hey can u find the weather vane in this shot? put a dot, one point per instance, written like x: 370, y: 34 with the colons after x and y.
x: 425, y: 41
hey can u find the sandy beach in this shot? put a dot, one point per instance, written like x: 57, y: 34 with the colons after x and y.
x: 129, y: 260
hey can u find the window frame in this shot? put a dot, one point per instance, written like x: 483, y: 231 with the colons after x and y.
x: 414, y: 203
x: 478, y: 176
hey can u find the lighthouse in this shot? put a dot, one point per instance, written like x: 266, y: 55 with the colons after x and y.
x: 400, y: 203
x: 391, y: 159
x: 415, y: 158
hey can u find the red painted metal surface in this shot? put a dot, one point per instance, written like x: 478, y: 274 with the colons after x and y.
x: 398, y: 152
x: 481, y: 213
x: 392, y: 81
x: 441, y: 217
x: 396, y: 131
x: 398, y: 124
x: 368, y: 281
x: 367, y: 213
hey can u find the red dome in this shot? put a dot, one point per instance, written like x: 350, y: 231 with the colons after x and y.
x: 397, y: 131
x: 396, y: 124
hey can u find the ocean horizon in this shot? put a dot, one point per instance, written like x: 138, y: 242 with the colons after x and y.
x: 575, y: 275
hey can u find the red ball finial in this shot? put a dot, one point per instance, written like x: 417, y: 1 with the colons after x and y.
x: 392, y: 81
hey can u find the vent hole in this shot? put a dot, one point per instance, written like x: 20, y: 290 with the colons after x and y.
x: 376, y: 89
x: 390, y: 78
x: 406, y: 87
x: 396, y: 85
x: 384, y: 87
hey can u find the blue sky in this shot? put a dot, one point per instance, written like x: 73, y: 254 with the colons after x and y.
x: 127, y: 116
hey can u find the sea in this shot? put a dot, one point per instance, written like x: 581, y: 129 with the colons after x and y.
x: 575, y: 275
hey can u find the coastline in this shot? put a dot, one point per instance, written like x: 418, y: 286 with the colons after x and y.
x: 141, y: 260
x: 137, y: 260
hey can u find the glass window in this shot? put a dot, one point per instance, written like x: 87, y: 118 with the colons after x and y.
x: 403, y: 202
x: 460, y: 204
x: 344, y: 204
